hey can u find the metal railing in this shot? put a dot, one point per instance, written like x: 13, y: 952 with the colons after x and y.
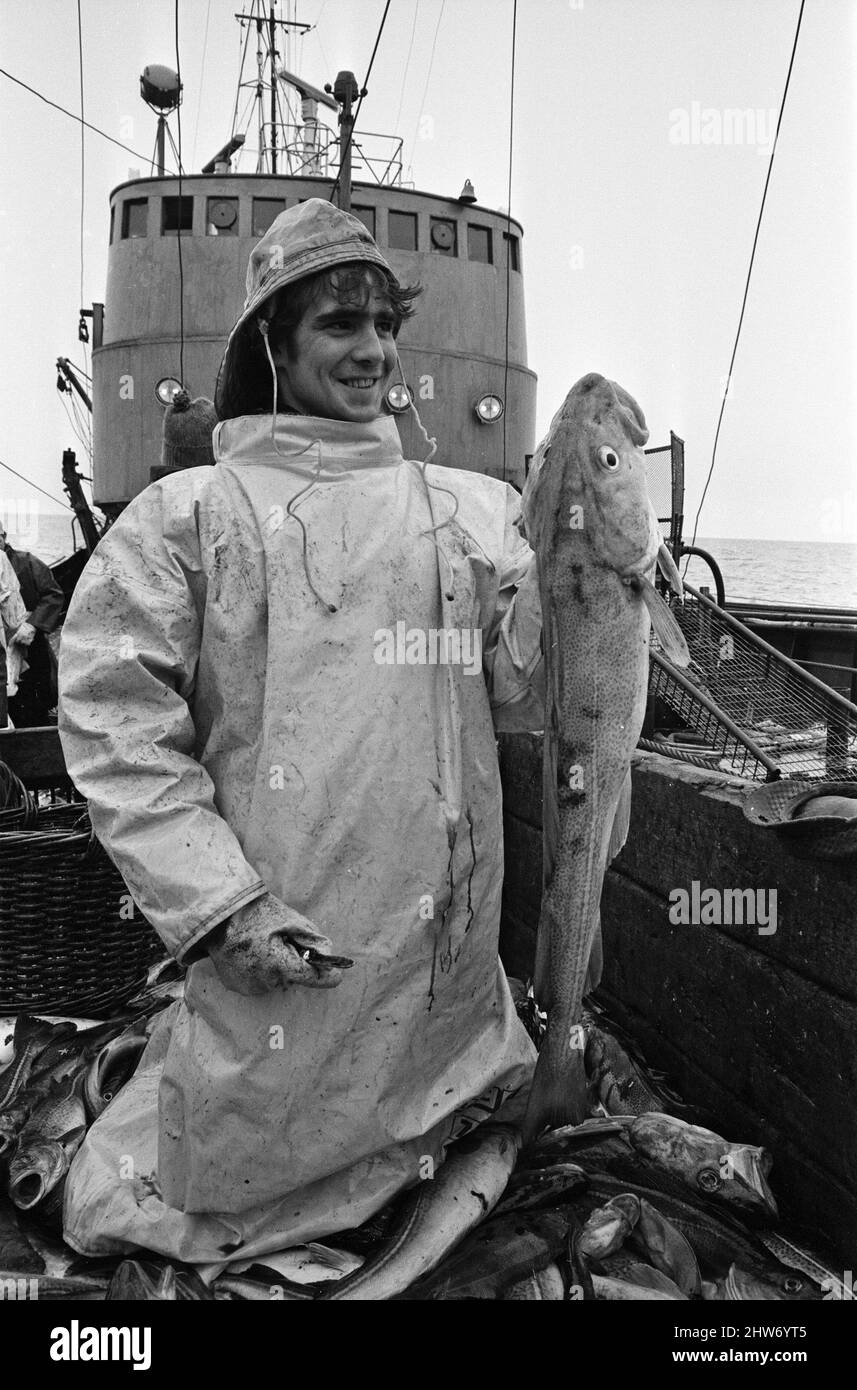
x: 313, y: 152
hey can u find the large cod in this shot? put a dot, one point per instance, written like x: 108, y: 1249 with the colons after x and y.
x: 586, y: 513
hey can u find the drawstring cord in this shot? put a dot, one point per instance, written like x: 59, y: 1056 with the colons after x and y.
x: 330, y: 607
x: 422, y: 464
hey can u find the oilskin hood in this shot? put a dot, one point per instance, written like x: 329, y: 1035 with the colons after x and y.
x: 305, y: 239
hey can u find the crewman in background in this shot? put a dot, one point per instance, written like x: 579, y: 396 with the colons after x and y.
x: 12, y: 618
x: 35, y: 701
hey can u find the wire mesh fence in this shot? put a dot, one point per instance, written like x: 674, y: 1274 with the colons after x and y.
x: 749, y: 709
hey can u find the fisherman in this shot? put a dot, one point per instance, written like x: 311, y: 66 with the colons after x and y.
x: 13, y: 617
x: 285, y: 768
x: 36, y: 698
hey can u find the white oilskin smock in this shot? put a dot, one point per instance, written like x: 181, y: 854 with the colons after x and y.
x: 234, y: 736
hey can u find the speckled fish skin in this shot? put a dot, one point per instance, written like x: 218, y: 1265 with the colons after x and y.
x: 465, y: 1190
x: 588, y: 517
x: 733, y: 1176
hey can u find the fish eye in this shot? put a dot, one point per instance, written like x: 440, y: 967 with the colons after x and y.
x: 791, y: 1284
x: 608, y: 457
x: 709, y: 1180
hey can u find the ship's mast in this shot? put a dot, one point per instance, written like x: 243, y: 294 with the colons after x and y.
x: 267, y: 22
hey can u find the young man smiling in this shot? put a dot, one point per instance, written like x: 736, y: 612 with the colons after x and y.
x: 339, y: 360
x: 272, y: 794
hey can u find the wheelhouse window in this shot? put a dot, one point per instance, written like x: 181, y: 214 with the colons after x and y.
x: 112, y: 223
x: 221, y: 217
x: 444, y: 236
x: 265, y: 211
x: 514, y: 250
x: 176, y: 215
x: 479, y: 247
x: 135, y: 217
x: 402, y: 230
x: 366, y: 216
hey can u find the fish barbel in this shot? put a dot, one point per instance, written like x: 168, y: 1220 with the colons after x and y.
x: 587, y: 515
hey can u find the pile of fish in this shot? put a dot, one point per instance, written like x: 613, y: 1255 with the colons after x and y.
x: 57, y: 1075
x: 59, y: 1080
x: 636, y: 1205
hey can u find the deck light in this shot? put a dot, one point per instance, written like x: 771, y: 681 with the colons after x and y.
x: 166, y: 389
x: 160, y: 87
x: 398, y: 398
x: 489, y: 409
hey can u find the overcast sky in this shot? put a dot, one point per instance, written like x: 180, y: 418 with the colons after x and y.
x: 638, y: 194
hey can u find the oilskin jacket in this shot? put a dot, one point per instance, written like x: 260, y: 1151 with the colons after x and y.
x: 285, y: 673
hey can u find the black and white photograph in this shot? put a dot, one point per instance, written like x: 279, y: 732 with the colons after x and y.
x: 428, y: 667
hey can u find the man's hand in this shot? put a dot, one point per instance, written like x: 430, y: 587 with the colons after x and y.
x: 25, y: 634
x: 266, y: 945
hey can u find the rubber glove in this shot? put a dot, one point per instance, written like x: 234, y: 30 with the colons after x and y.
x: 25, y: 634
x: 262, y: 947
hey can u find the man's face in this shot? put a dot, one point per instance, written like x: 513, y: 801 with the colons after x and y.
x: 344, y: 355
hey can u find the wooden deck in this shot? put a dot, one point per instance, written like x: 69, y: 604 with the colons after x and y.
x: 759, y: 1029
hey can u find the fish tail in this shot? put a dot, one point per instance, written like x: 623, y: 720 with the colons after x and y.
x: 559, y: 1094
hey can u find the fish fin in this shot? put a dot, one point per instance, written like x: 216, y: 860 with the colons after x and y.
x: 534, y: 480
x: 595, y: 967
x: 621, y: 821
x: 669, y: 570
x: 559, y: 1094
x: 666, y: 629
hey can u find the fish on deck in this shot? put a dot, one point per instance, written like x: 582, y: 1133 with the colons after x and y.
x: 586, y: 513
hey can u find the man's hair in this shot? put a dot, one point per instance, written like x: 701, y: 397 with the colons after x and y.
x: 246, y: 387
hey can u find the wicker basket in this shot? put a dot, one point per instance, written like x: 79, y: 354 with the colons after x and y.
x: 64, y: 947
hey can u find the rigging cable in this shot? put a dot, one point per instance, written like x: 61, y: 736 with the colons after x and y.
x: 80, y: 371
x: 509, y: 231
x: 86, y: 425
x: 246, y: 28
x: 359, y: 104
x: 747, y: 283
x: 407, y: 65
x: 82, y: 149
x: 27, y: 88
x: 201, y: 81
x: 74, y: 423
x: 428, y: 79
x: 179, y: 218
x: 35, y: 485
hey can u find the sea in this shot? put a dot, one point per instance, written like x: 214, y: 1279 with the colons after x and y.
x: 816, y: 573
